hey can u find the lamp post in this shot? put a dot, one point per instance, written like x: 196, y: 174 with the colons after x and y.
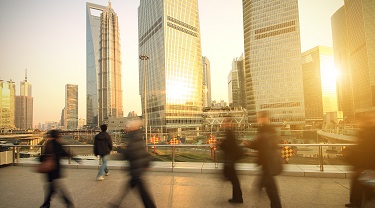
x: 144, y: 58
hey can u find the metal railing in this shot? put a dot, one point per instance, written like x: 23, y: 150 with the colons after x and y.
x: 318, y: 156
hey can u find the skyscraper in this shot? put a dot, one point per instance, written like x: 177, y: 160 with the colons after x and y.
x: 272, y: 60
x: 169, y: 35
x: 342, y: 64
x: 206, y: 82
x: 236, y: 83
x: 103, y: 64
x: 24, y: 106
x: 71, y: 107
x: 319, y: 83
x: 7, y: 98
x: 360, y: 22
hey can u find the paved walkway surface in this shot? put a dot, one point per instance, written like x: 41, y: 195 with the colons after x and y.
x: 21, y: 187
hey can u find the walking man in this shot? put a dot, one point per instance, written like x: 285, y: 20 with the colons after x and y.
x: 139, y: 161
x: 268, y: 157
x: 102, y: 148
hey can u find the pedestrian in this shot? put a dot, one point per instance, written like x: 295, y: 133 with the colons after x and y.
x: 362, y: 157
x: 232, y: 153
x: 269, y: 157
x: 54, y: 150
x: 139, y: 161
x: 102, y: 148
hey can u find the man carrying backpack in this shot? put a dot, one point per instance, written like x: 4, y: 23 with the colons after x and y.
x: 102, y: 148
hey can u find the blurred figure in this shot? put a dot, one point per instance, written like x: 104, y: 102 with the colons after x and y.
x: 139, y: 161
x: 102, y: 148
x: 55, y: 149
x: 269, y: 157
x: 362, y: 157
x: 232, y: 153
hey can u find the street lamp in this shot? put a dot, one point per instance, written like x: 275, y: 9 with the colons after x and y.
x: 144, y: 58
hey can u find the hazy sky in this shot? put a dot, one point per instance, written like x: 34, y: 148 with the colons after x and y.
x: 49, y: 39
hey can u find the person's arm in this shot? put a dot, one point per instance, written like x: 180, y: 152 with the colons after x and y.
x: 96, y: 152
x: 110, y: 145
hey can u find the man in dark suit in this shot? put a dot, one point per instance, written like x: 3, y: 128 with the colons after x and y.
x: 268, y: 157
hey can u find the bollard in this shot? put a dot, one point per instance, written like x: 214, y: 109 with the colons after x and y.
x: 321, y: 158
x: 69, y: 157
x: 18, y: 154
x: 14, y: 155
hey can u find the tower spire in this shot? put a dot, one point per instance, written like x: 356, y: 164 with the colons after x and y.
x: 25, y: 75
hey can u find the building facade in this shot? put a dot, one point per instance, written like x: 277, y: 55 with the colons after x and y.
x: 206, y: 82
x: 7, y: 106
x: 342, y: 64
x: 103, y: 65
x: 360, y: 24
x: 24, y: 106
x: 169, y: 36
x: 71, y: 107
x: 319, y: 83
x: 272, y: 60
x: 236, y: 83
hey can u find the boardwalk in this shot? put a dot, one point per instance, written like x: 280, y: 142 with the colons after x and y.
x: 20, y: 187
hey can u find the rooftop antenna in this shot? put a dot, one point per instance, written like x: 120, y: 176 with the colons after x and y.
x: 26, y: 75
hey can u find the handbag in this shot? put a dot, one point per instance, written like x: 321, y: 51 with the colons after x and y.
x: 367, y: 178
x: 47, y: 165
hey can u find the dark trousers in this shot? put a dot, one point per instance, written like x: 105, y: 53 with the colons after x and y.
x: 269, y: 183
x: 145, y: 196
x: 51, y: 188
x: 231, y: 174
x: 356, y: 190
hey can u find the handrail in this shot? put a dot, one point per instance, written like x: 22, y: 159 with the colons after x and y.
x: 16, y: 149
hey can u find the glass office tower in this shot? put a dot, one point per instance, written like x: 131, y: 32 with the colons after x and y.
x: 206, y: 82
x: 272, y: 60
x: 342, y: 64
x: 169, y: 36
x: 360, y: 24
x: 236, y: 83
x: 7, y: 104
x: 319, y: 83
x: 71, y: 106
x: 103, y: 65
x: 24, y: 106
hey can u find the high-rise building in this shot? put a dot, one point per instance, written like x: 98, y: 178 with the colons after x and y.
x: 169, y: 36
x: 360, y: 24
x: 206, y: 82
x: 71, y: 106
x: 272, y: 60
x: 236, y: 83
x: 103, y: 64
x: 319, y: 83
x: 342, y: 64
x: 7, y: 98
x: 24, y: 106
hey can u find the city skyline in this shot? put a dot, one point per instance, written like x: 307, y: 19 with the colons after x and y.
x: 33, y: 42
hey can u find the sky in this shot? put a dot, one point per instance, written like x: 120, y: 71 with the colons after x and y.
x: 48, y: 38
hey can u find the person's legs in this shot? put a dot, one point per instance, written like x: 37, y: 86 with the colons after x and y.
x: 271, y: 190
x: 49, y: 190
x: 103, y: 166
x: 64, y: 193
x: 146, y: 197
x: 356, y: 191
x: 118, y: 200
x: 236, y: 187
